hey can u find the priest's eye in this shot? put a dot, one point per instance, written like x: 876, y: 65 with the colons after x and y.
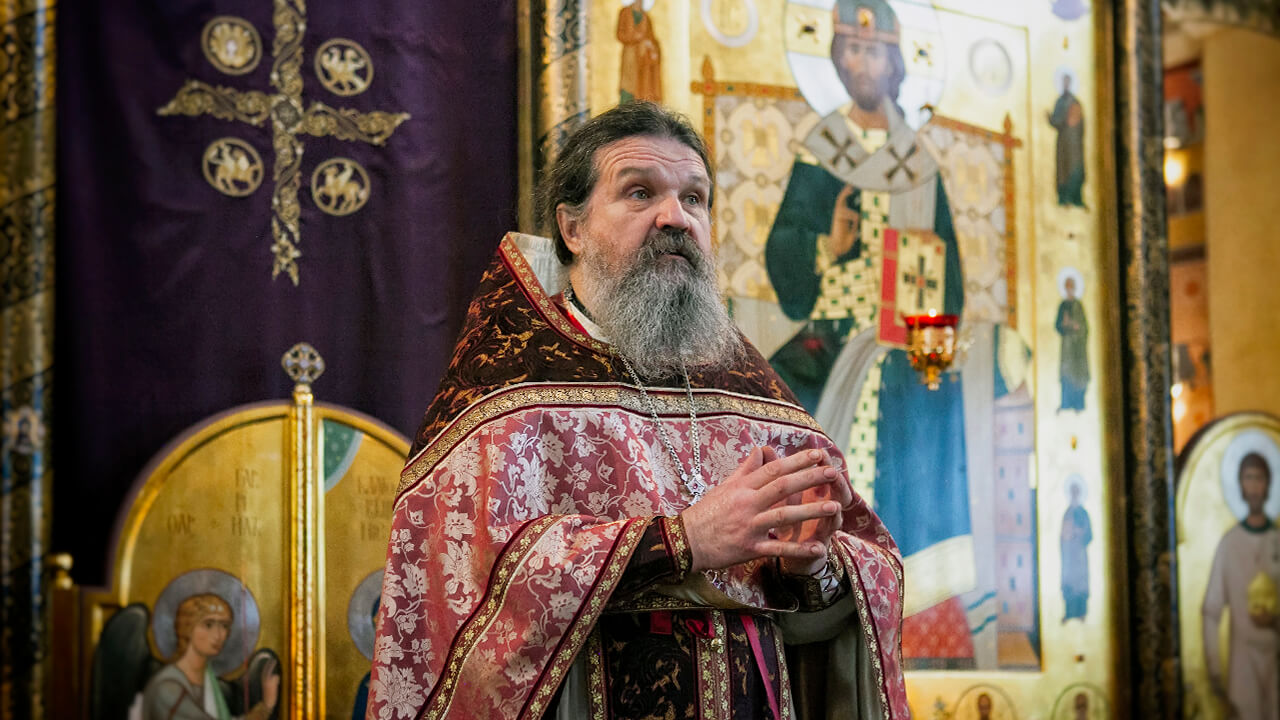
x: 694, y: 199
x: 640, y: 194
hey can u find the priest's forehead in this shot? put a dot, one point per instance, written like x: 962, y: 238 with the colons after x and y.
x: 640, y: 158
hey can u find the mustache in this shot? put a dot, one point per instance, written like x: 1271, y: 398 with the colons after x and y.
x: 673, y: 241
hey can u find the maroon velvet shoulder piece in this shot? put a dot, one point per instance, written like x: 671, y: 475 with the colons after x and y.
x: 514, y: 333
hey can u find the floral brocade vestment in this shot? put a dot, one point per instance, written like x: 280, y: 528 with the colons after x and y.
x: 537, y: 561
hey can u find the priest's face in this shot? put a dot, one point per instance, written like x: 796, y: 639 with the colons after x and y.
x: 645, y: 185
x: 645, y: 266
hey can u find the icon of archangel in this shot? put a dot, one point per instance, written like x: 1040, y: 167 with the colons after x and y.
x: 204, y: 628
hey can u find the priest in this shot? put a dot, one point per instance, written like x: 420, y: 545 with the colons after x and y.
x: 614, y: 507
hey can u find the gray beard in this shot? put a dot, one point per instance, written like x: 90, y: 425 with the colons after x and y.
x: 662, y: 314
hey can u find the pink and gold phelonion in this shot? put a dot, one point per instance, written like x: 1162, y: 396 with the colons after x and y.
x: 931, y: 345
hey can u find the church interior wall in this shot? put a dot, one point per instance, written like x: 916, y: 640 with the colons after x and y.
x: 1223, y: 246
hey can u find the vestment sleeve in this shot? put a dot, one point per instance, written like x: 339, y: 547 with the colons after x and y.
x: 663, y: 556
x: 818, y: 592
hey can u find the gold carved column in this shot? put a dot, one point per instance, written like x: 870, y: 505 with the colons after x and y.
x: 27, y: 136
x: 304, y: 523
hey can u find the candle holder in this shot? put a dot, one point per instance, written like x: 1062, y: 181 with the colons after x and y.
x: 931, y: 345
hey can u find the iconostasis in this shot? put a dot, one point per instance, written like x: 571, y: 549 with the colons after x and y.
x: 877, y: 160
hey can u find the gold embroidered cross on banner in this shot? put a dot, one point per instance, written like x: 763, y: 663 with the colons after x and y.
x: 339, y: 186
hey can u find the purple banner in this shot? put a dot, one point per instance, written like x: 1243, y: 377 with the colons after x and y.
x: 201, y: 145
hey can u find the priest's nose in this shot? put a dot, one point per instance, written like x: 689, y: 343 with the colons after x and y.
x: 673, y: 214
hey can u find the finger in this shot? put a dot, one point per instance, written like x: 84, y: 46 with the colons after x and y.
x: 788, y: 533
x: 783, y: 466
x: 788, y: 515
x: 749, y: 465
x: 792, y: 499
x: 827, y: 528
x: 796, y: 483
x: 843, y: 491
x: 790, y: 550
x: 781, y: 531
x: 822, y: 530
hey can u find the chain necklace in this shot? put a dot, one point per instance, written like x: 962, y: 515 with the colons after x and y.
x: 693, y: 478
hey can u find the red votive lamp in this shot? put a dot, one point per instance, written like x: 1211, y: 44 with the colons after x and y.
x: 931, y: 345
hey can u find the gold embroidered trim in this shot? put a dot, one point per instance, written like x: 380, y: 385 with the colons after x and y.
x: 231, y: 44
x: 539, y: 396
x: 480, y: 622
x: 340, y: 186
x: 868, y: 629
x: 784, y: 675
x: 595, y: 676
x: 895, y: 563
x: 200, y: 98
x: 706, y: 678
x: 533, y: 289
x: 285, y: 110
x: 343, y: 67
x: 650, y: 602
x: 678, y: 544
x: 585, y: 623
x: 712, y: 663
x: 232, y: 167
x: 720, y: 663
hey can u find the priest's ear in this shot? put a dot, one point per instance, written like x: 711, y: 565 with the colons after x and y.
x: 571, y: 222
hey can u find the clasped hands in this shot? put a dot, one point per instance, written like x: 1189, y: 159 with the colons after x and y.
x: 788, y: 508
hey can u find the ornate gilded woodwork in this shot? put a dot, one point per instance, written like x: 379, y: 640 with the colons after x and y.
x: 27, y: 208
x: 1150, y: 614
x: 281, y: 508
